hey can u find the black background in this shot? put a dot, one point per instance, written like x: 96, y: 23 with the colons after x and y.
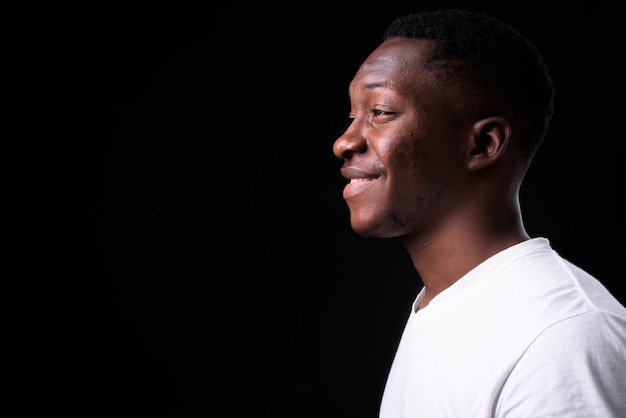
x: 227, y: 280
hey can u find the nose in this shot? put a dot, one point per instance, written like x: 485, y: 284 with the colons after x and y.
x: 350, y: 142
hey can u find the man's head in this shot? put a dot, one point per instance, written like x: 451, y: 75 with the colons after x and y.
x: 497, y: 70
x: 447, y: 113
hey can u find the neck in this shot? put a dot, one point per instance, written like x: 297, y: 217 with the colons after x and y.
x: 456, y: 248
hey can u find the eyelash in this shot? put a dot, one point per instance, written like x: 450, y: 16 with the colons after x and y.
x: 375, y: 112
x: 378, y: 112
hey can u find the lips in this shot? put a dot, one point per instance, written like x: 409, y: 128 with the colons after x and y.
x: 354, y: 173
x: 359, y: 181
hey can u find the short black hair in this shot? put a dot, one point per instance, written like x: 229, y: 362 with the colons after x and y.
x: 503, y: 69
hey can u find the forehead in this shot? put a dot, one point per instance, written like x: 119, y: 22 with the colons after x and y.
x: 396, y: 64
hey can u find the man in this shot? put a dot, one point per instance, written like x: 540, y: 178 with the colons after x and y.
x: 447, y: 114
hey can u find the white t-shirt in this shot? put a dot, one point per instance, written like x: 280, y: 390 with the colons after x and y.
x: 524, y: 334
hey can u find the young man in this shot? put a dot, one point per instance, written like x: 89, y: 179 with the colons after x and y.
x: 447, y: 114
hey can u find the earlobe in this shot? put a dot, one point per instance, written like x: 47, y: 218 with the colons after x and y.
x: 488, y: 142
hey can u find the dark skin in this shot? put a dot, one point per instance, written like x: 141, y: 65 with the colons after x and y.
x: 425, y: 170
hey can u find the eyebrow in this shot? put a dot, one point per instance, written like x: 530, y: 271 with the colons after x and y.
x: 377, y: 84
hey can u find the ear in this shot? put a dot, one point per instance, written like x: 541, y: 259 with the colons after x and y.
x: 488, y: 141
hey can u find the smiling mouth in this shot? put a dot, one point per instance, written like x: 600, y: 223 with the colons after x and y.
x: 352, y: 181
x: 357, y: 186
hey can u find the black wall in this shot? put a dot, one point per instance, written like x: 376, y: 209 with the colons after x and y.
x: 227, y: 271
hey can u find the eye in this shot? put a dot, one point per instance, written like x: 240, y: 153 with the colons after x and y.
x: 378, y: 112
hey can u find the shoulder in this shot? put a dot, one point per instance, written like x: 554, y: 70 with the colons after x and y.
x: 580, y: 365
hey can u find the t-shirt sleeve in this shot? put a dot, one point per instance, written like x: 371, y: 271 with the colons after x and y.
x: 574, y: 368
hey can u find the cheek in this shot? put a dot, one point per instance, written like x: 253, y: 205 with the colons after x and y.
x: 408, y: 156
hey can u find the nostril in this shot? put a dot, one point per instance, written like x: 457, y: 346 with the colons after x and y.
x: 347, y: 155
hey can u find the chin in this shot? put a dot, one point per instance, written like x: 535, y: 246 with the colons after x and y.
x: 368, y: 227
x: 368, y: 230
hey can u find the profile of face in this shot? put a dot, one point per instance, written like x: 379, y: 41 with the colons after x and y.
x: 404, y: 150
